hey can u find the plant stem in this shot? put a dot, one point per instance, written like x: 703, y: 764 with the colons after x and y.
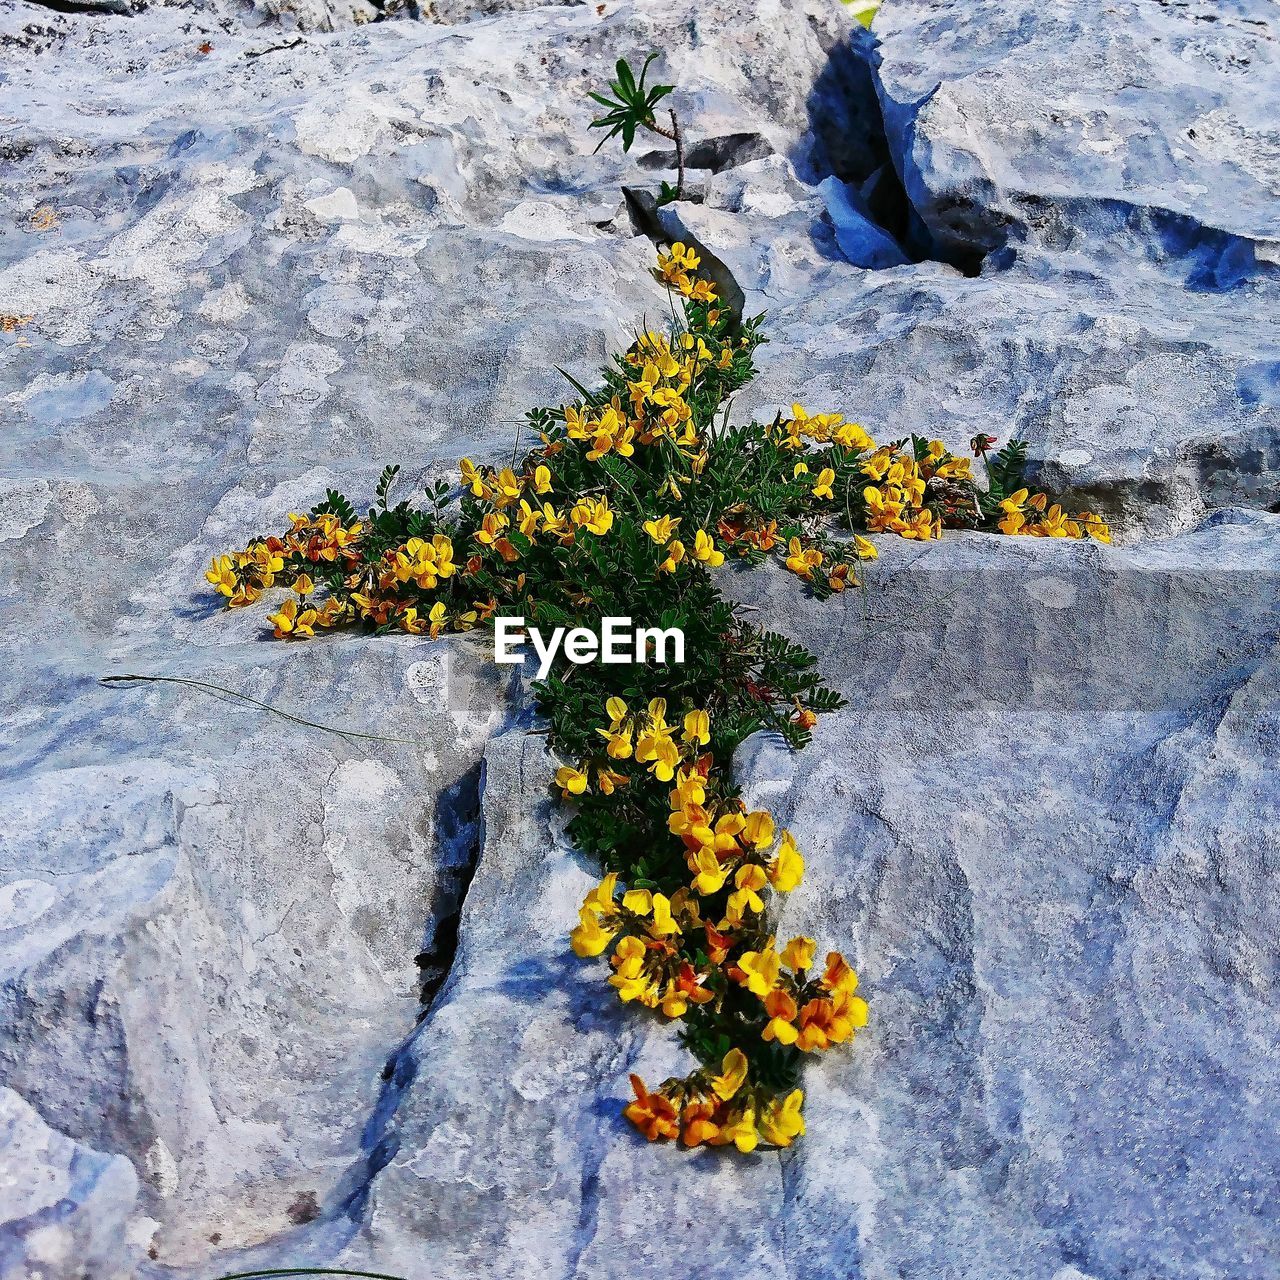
x: 676, y: 135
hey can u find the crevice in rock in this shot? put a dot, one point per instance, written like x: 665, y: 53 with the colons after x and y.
x: 459, y: 841
x: 664, y: 225
x: 713, y: 154
x: 861, y: 155
x: 116, y: 8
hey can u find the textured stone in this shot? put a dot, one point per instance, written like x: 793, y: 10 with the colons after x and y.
x: 1044, y: 826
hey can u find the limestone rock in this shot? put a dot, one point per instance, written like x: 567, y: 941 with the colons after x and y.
x: 244, y: 259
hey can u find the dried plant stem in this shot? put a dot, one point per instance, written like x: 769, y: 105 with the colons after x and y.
x: 674, y: 134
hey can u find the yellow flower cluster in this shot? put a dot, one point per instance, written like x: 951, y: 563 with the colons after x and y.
x: 708, y: 938
x: 677, y: 269
x: 810, y: 1013
x: 900, y: 483
x: 1028, y: 513
x: 321, y: 540
x: 717, y: 1110
x: 633, y: 490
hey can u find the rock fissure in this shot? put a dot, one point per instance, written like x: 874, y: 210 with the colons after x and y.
x: 863, y: 162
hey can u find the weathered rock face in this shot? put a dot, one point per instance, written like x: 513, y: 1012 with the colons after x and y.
x: 1045, y: 825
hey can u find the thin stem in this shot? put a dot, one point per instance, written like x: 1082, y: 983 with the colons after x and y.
x: 674, y: 134
x: 679, y: 141
x: 264, y: 706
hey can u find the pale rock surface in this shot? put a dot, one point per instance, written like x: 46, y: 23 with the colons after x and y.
x: 1045, y: 826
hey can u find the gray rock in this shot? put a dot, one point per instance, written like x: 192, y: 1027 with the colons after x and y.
x: 1044, y: 826
x: 66, y: 1209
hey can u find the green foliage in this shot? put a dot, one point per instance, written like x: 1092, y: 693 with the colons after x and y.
x: 631, y: 106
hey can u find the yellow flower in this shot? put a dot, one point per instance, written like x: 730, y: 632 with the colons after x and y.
x: 1094, y: 526
x: 788, y: 867
x: 221, y: 573
x: 530, y: 517
x: 303, y: 584
x: 798, y: 954
x: 507, y: 487
x: 593, y: 514
x: 619, y: 744
x: 663, y: 925
x: 781, y: 1123
x: 733, y: 1075
x: 865, y: 550
x: 573, y: 782
x: 472, y: 477
x: 704, y: 549
x: 674, y: 1002
x: 601, y: 897
x: 697, y: 728
x: 629, y: 956
x: 759, y: 828
x: 658, y: 750
x: 851, y: 436
x: 1012, y: 507
x: 490, y: 527
x: 639, y: 901
x: 741, y: 1131
x: 616, y: 710
x: 921, y: 526
x: 437, y: 618
x: 823, y: 488
x: 782, y: 1011
x: 589, y: 938
x: 750, y: 879
x: 661, y: 529
x: 802, y: 562
x: 291, y: 621
x: 760, y: 970
x: 541, y: 479
x: 675, y: 553
x: 711, y: 875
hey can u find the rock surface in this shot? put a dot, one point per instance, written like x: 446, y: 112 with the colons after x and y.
x: 235, y: 275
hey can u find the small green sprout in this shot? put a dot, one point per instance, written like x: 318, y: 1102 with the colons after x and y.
x: 631, y: 108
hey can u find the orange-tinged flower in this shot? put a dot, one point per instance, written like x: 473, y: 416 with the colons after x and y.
x: 798, y: 954
x: 698, y: 1124
x: 839, y: 975
x: 651, y: 1113
x: 781, y: 1009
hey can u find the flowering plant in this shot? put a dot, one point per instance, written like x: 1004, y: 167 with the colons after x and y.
x: 635, y: 494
